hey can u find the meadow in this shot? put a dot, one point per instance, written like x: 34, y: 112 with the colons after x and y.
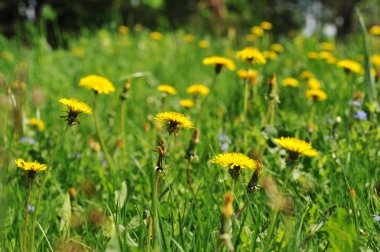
x: 122, y: 176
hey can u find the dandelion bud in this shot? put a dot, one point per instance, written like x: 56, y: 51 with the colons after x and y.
x: 225, y: 230
x: 127, y: 86
x: 38, y: 97
x: 73, y: 192
x: 352, y: 193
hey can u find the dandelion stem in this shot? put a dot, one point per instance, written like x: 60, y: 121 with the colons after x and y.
x: 30, y: 183
x: 188, y: 176
x: 101, y: 138
x: 245, y: 111
x: 42, y: 186
x: 122, y: 130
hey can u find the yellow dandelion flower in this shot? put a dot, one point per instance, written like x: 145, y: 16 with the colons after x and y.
x: 175, y: 121
x: 270, y: 55
x: 314, y: 83
x: 186, y: 103
x: 251, y: 55
x: 99, y: 84
x: 204, y: 44
x: 278, y: 48
x: 235, y: 162
x: 331, y: 60
x: 219, y: 62
x: 265, y: 25
x: 316, y: 94
x: 38, y: 123
x: 198, y: 89
x: 327, y: 46
x: 257, y: 31
x: 306, y: 74
x: 167, y: 89
x: 75, y: 107
x: 250, y: 74
x: 313, y: 55
x: 188, y: 38
x: 156, y: 36
x: 123, y: 29
x: 290, y: 82
x: 375, y: 59
x: 375, y: 30
x: 30, y: 166
x: 296, y: 147
x: 325, y: 55
x: 351, y: 66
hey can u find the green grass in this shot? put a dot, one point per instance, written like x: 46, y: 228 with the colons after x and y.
x: 122, y: 210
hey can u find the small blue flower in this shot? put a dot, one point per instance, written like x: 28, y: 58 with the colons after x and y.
x: 377, y: 218
x: 23, y: 140
x: 330, y: 120
x: 356, y: 103
x: 361, y: 115
x: 27, y: 140
x: 31, y: 208
x: 224, y: 147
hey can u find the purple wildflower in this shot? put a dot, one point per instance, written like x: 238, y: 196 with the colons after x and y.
x: 361, y: 115
x: 377, y: 218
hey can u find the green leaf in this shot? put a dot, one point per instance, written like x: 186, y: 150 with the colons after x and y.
x: 65, y: 213
x: 121, y: 195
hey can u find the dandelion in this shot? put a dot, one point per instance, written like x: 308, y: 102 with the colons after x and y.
x: 265, y: 25
x: 38, y: 123
x: 123, y: 29
x: 167, y: 89
x: 257, y: 31
x: 306, y: 74
x: 290, y: 82
x: 250, y: 74
x: 30, y: 166
x: 186, y: 103
x: 296, y: 147
x: 188, y: 38
x: 235, y: 162
x: 375, y: 59
x: 156, y: 36
x: 313, y: 83
x: 75, y: 107
x: 351, y: 66
x: 375, y: 30
x: 204, y: 44
x: 175, y: 121
x: 251, y: 55
x: 327, y: 46
x: 219, y: 62
x: 316, y: 95
x: 325, y: 55
x: 270, y: 55
x: 278, y: 48
x: 198, y: 89
x: 99, y: 84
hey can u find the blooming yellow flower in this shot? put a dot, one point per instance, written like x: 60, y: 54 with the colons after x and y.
x: 290, y: 82
x: 204, y: 44
x: 375, y: 59
x: 235, y: 162
x: 313, y: 83
x: 175, y: 121
x: 278, y: 48
x: 316, y: 94
x: 156, y: 36
x: 188, y: 38
x: 198, y: 89
x: 123, y: 29
x: 265, y: 25
x: 327, y: 46
x: 75, y: 107
x: 325, y: 55
x: 251, y: 55
x: 306, y: 74
x: 219, y: 62
x: 296, y: 147
x: 331, y: 60
x: 167, y: 89
x: 270, y: 55
x: 30, y: 166
x: 38, y: 123
x: 351, y: 66
x: 186, y: 103
x: 257, y: 31
x: 97, y: 83
x: 313, y: 55
x: 375, y: 30
x: 250, y: 74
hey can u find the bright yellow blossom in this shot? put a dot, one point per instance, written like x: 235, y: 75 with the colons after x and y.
x: 313, y: 83
x: 251, y: 55
x: 175, y: 121
x: 198, y: 89
x: 257, y: 31
x: 156, y: 36
x: 327, y: 46
x: 219, y: 62
x: 278, y: 48
x: 351, y: 66
x: 167, y: 89
x: 30, y: 166
x: 38, y: 123
x: 306, y: 74
x: 186, y: 103
x: 75, y: 107
x: 375, y: 30
x: 290, y: 82
x: 265, y: 25
x: 235, y: 162
x: 296, y: 147
x: 99, y: 84
x: 316, y: 94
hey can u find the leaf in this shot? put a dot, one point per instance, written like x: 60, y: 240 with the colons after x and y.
x: 65, y: 213
x: 121, y: 195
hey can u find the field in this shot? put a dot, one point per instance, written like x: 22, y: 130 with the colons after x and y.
x: 112, y: 185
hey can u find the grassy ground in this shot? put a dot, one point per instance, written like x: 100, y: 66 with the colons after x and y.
x: 326, y: 202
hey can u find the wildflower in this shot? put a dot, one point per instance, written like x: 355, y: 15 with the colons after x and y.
x: 327, y: 46
x: 156, y: 36
x: 251, y: 55
x: 38, y: 123
x: 30, y: 167
x: 186, y: 103
x: 123, y: 29
x: 224, y: 142
x: 306, y: 75
x: 75, y: 107
x: 290, y: 82
x: 257, y: 31
x: 377, y: 218
x: 351, y: 66
x: 278, y: 48
x: 31, y: 208
x: 325, y: 55
x: 313, y: 55
x: 97, y: 83
x: 296, y: 147
x: 204, y: 44
x: 167, y: 89
x: 219, y: 62
x: 265, y: 25
x: 316, y: 94
x: 175, y: 121
x: 27, y: 139
x: 375, y: 59
x: 188, y: 38
x: 235, y: 162
x: 361, y: 115
x: 270, y: 55
x: 356, y: 103
x: 313, y: 83
x: 250, y: 74
x: 198, y: 89
x: 375, y: 30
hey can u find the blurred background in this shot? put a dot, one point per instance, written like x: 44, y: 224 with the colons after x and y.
x: 331, y: 17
